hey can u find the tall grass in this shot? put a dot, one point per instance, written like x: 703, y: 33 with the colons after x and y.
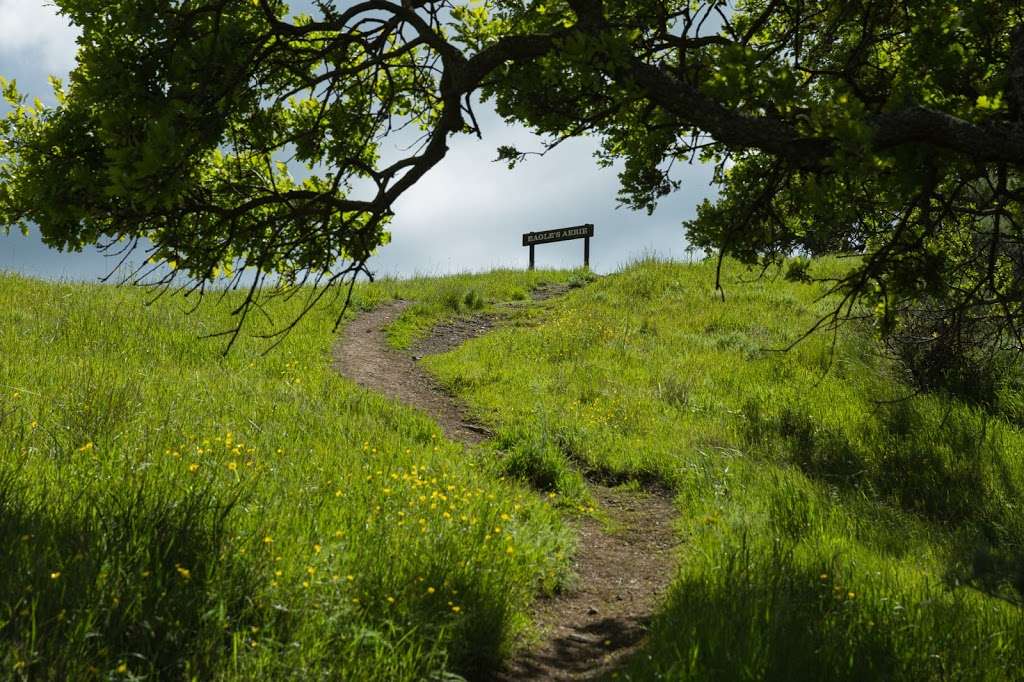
x: 835, y: 526
x: 167, y: 513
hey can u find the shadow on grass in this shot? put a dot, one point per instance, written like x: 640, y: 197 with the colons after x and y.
x: 762, y: 614
x: 131, y: 575
x: 950, y: 470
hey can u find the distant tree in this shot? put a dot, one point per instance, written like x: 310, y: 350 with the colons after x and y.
x: 893, y: 129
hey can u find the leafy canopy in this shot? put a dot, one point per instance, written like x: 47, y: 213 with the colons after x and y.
x: 893, y: 129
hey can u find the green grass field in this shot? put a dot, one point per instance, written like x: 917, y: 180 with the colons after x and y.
x: 167, y: 513
x: 834, y: 528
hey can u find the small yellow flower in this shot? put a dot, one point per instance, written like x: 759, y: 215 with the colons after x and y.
x: 851, y: 595
x: 456, y: 609
x: 87, y: 447
x: 183, y: 572
x: 430, y: 590
x: 122, y: 668
x: 391, y: 600
x: 54, y: 575
x: 267, y: 540
x: 193, y: 467
x: 316, y: 549
x: 311, y: 570
x: 232, y: 466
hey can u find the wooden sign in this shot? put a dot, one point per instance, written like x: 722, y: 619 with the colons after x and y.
x: 584, y: 232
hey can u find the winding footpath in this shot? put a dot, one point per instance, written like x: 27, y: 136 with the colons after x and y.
x: 621, y: 566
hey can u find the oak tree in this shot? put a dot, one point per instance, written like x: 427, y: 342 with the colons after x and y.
x: 889, y: 129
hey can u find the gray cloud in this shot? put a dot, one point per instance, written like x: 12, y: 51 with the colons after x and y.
x: 35, y: 42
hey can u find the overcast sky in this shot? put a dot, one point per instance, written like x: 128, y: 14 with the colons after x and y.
x: 467, y: 214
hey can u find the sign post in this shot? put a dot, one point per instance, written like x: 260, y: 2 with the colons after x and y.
x: 584, y: 232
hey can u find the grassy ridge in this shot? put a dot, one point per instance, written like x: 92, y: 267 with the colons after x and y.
x: 834, y: 528
x: 169, y: 513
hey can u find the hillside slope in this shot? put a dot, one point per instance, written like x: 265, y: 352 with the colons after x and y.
x: 834, y: 526
x: 168, y: 513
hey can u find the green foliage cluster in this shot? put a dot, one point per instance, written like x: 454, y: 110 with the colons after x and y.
x: 167, y: 513
x: 835, y: 525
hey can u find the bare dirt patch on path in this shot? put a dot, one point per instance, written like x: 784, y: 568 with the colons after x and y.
x: 447, y: 335
x: 587, y: 631
x: 622, y: 565
x: 363, y: 355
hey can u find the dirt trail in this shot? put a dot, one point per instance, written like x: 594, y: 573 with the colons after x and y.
x: 363, y: 355
x: 620, y: 573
